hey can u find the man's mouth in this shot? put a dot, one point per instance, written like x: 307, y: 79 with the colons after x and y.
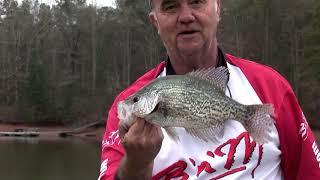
x: 187, y: 32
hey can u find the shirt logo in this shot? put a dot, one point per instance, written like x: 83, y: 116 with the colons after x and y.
x: 316, y: 152
x: 112, y: 139
x: 103, y: 168
x: 303, y: 131
x: 303, y: 128
x: 227, y: 150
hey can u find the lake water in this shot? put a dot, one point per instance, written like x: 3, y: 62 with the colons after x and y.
x: 32, y: 159
x: 62, y: 159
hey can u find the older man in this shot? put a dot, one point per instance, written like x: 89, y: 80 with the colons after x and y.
x: 188, y: 31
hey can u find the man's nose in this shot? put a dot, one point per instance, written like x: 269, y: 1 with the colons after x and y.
x: 186, y: 15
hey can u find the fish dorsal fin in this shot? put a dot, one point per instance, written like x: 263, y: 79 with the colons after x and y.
x: 217, y: 76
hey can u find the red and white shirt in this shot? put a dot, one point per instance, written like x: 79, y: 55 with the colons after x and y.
x: 291, y: 154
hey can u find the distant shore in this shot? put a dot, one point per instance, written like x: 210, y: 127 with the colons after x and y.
x: 51, y: 132
x: 54, y: 132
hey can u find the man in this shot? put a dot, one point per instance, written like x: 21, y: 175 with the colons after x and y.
x: 188, y: 31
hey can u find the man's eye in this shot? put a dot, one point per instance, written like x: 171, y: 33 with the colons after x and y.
x: 196, y: 2
x: 170, y: 6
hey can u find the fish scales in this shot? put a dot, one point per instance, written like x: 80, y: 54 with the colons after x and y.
x: 199, y: 104
x: 188, y: 103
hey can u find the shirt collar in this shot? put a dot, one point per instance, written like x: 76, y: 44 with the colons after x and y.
x: 221, y: 62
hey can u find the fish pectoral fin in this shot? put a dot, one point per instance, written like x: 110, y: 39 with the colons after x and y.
x: 156, y: 118
x: 212, y: 134
x: 172, y: 133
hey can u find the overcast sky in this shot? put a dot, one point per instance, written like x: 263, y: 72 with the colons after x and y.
x: 98, y: 2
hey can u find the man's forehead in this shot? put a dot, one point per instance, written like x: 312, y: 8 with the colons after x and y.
x: 159, y: 1
x: 151, y: 1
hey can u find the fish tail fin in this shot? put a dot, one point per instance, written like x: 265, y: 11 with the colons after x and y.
x: 260, y: 121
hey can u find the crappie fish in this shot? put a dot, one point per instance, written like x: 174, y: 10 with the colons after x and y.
x: 197, y: 102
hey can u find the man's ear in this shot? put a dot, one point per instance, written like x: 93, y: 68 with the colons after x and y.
x: 218, y: 8
x: 153, y: 19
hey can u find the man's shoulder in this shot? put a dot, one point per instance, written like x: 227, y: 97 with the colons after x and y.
x: 269, y: 85
x: 141, y: 81
x: 257, y: 72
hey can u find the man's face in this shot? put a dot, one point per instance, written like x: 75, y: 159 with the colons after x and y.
x: 186, y: 26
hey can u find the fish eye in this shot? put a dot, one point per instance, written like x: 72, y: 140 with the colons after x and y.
x: 135, y: 99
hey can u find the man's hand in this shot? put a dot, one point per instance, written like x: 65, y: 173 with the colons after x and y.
x: 142, y: 142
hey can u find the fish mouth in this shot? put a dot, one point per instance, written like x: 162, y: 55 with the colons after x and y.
x: 124, y: 111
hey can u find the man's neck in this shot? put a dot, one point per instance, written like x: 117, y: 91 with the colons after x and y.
x: 185, y: 64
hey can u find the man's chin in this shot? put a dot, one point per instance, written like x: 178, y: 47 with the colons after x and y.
x: 189, y: 50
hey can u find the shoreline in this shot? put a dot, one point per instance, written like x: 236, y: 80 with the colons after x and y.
x: 50, y: 132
